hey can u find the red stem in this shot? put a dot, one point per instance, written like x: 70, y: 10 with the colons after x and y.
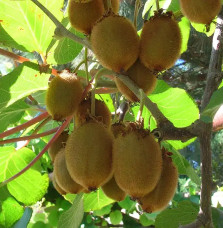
x: 17, y: 58
x: 25, y: 125
x: 29, y: 137
x: 59, y: 131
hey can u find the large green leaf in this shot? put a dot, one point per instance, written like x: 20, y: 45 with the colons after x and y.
x: 30, y: 186
x: 185, y: 213
x: 184, y: 25
x: 116, y: 217
x: 72, y: 218
x: 93, y: 201
x: 12, y: 114
x: 21, y: 82
x: 25, y: 23
x: 175, y: 104
x: 10, y: 210
x: 64, y: 50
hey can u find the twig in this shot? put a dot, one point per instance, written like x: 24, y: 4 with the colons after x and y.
x: 60, y: 28
x: 25, y: 125
x: 17, y: 58
x: 59, y: 131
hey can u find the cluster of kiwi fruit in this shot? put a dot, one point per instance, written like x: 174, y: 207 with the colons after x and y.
x: 121, y: 158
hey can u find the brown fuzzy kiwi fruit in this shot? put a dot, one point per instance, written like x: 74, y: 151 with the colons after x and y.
x: 63, y: 96
x: 118, y: 128
x: 102, y: 113
x: 89, y: 155
x: 115, y: 42
x: 160, y: 42
x: 137, y: 162
x: 164, y: 191
x: 142, y: 77
x: 114, y: 4
x: 200, y: 11
x: 62, y: 175
x: 58, y: 144
x: 57, y: 187
x: 82, y: 16
x: 112, y: 190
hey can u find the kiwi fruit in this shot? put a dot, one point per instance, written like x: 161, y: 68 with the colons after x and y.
x: 142, y: 77
x: 57, y: 187
x: 89, y: 155
x: 160, y: 43
x: 58, y: 144
x: 200, y: 11
x: 112, y: 190
x: 114, y: 4
x: 83, y: 15
x: 63, y: 95
x: 137, y: 162
x: 83, y: 113
x: 62, y: 175
x: 115, y: 42
x: 164, y: 191
x: 118, y: 128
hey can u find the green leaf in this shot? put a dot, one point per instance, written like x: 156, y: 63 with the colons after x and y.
x: 65, y: 49
x: 202, y: 28
x: 185, y: 213
x: 217, y: 216
x: 185, y: 31
x: 30, y: 186
x: 215, y: 102
x: 21, y: 82
x: 127, y: 204
x: 92, y: 201
x: 24, y: 221
x: 175, y: 104
x: 27, y: 24
x: 10, y: 209
x: 145, y: 221
x: 116, y: 217
x: 178, y: 145
x: 12, y: 114
x: 103, y: 211
x: 174, y: 6
x: 72, y: 218
x: 108, y: 101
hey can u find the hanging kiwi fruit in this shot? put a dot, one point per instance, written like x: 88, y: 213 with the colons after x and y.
x: 160, y: 43
x: 200, y: 11
x: 115, y: 42
x: 141, y: 76
x: 63, y: 95
x: 83, y: 113
x: 62, y: 175
x: 57, y: 187
x: 137, y: 162
x: 88, y: 155
x: 114, y: 5
x: 164, y: 191
x: 83, y: 15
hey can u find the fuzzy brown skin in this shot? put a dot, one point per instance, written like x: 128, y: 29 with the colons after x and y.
x: 63, y: 96
x: 57, y: 187
x: 142, y: 77
x: 200, y: 11
x: 83, y: 113
x: 58, y: 144
x: 118, y: 129
x: 115, y: 5
x: 112, y: 190
x: 83, y: 16
x: 89, y: 155
x: 137, y: 162
x: 62, y: 175
x: 159, y: 198
x: 160, y: 43
x: 115, y: 42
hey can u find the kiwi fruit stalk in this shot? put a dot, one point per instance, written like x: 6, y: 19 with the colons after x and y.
x: 115, y: 42
x: 141, y: 76
x: 62, y: 175
x: 82, y: 16
x: 164, y: 191
x: 63, y: 95
x: 112, y: 190
x: 58, y: 144
x: 160, y: 43
x: 200, y: 11
x: 89, y: 155
x: 137, y: 162
x: 83, y: 113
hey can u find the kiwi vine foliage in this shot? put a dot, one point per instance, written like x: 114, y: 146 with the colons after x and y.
x: 31, y: 200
